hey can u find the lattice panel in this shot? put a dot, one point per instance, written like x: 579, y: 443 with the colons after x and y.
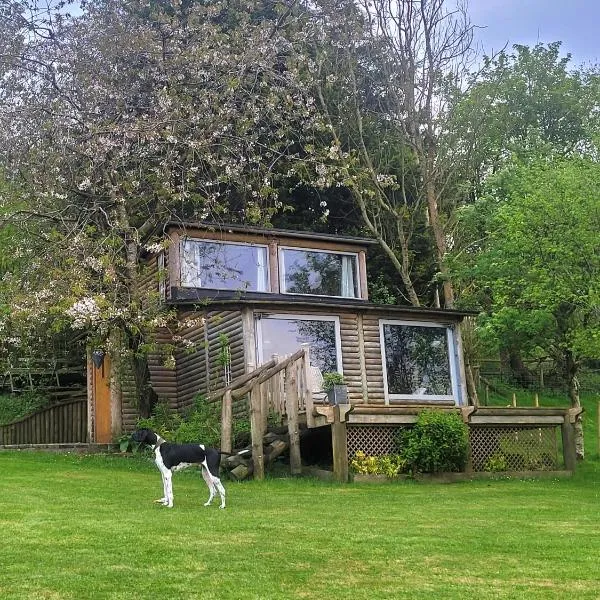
x: 373, y: 440
x: 514, y: 448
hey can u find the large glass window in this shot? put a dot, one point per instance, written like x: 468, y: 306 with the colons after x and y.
x: 224, y: 266
x: 418, y: 360
x: 283, y: 335
x: 318, y: 272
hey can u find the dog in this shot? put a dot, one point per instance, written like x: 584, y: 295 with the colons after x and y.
x: 170, y: 458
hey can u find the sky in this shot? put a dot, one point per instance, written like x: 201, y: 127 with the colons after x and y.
x: 574, y: 22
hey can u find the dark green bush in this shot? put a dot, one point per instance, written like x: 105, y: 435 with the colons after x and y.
x: 438, y: 442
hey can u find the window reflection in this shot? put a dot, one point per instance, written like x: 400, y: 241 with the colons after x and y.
x: 319, y: 273
x: 284, y: 336
x: 417, y: 360
x: 223, y: 266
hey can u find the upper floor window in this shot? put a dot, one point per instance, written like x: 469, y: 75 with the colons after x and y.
x: 224, y: 265
x: 318, y: 272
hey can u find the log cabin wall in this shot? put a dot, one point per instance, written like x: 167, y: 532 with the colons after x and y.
x: 352, y: 358
x: 373, y: 358
x: 202, y: 370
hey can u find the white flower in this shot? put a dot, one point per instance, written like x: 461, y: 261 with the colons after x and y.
x: 83, y: 312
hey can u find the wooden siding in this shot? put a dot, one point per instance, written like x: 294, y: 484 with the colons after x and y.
x: 373, y: 358
x: 351, y: 357
x: 201, y: 371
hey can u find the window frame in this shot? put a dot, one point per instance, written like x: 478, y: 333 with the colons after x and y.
x: 265, y: 247
x: 451, y: 340
x: 281, y: 264
x: 258, y: 318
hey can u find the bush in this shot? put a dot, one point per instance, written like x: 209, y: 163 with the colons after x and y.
x: 389, y: 465
x: 201, y: 424
x: 437, y: 442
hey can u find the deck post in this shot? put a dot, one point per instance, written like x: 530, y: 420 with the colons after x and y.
x: 256, y: 433
x: 568, y: 442
x: 339, y: 444
x: 291, y: 409
x: 226, y: 421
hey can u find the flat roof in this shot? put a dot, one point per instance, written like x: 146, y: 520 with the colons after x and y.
x: 271, y: 232
x: 294, y: 302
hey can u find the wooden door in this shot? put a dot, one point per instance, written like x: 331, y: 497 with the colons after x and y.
x: 102, y: 408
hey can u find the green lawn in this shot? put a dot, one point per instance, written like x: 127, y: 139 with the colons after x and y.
x: 85, y: 527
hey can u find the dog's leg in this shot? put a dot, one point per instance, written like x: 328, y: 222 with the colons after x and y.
x: 163, y: 500
x: 169, y: 488
x: 209, y: 482
x: 220, y: 489
x: 215, y: 483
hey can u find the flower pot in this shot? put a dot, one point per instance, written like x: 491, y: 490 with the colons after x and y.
x: 338, y: 394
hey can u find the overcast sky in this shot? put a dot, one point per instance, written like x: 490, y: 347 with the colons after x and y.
x: 574, y: 22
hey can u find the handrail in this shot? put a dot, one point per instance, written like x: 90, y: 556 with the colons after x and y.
x: 293, y: 383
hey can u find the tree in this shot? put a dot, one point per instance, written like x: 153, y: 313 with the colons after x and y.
x: 398, y: 67
x: 525, y: 103
x: 539, y: 265
x: 129, y: 115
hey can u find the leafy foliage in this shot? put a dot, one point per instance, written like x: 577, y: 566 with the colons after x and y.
x: 390, y: 465
x: 16, y: 406
x: 332, y: 378
x: 437, y: 442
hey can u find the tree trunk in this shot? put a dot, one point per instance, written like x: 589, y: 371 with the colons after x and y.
x: 572, y: 368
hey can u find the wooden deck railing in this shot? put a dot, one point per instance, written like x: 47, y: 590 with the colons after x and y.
x: 64, y: 423
x: 282, y: 386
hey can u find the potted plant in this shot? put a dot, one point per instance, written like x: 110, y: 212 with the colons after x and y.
x: 337, y: 390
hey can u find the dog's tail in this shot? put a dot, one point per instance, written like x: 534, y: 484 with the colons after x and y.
x: 240, y: 453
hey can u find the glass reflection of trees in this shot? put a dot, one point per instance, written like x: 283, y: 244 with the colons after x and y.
x: 321, y: 337
x: 417, y: 360
x: 284, y: 336
x: 320, y: 273
x: 218, y: 265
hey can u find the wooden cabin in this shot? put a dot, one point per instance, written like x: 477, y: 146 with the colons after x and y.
x: 248, y: 297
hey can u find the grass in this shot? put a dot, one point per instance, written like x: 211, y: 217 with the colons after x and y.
x: 77, y: 527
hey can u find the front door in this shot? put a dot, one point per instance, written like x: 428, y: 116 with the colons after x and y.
x: 102, y: 406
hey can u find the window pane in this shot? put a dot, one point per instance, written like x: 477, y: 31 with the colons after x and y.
x: 320, y: 273
x: 417, y: 360
x: 224, y: 266
x: 284, y: 336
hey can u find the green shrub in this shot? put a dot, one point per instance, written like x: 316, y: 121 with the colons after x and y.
x: 202, y: 424
x: 163, y: 420
x: 389, y: 465
x: 330, y: 379
x: 438, y: 442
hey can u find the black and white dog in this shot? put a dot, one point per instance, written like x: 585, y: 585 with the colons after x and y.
x: 170, y: 458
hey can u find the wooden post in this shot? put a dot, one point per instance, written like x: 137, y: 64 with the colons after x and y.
x: 339, y: 444
x: 256, y: 433
x: 514, y: 400
x: 536, y: 400
x: 226, y: 422
x: 568, y: 441
x: 265, y: 393
x: 307, y: 387
x: 291, y: 408
x: 487, y: 395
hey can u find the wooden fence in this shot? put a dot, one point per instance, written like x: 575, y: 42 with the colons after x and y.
x: 64, y: 423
